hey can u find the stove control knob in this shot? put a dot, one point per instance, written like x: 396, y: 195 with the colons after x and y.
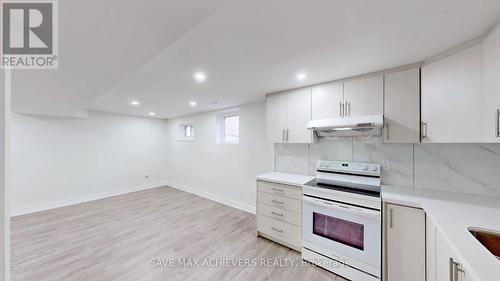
x: 365, y: 168
x: 374, y: 169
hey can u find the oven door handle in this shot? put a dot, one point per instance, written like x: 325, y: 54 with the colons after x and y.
x: 344, y: 208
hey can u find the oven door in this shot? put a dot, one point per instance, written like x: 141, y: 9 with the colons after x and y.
x: 343, y: 232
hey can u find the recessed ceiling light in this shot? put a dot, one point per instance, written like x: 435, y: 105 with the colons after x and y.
x: 152, y: 113
x: 301, y: 76
x: 135, y: 103
x: 200, y: 77
x: 192, y: 103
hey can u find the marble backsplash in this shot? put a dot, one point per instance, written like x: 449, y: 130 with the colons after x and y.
x: 464, y: 168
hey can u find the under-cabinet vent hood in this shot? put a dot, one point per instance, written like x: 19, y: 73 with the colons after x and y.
x: 348, y: 126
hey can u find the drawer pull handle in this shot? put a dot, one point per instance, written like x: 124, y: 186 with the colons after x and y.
x: 276, y: 230
x: 277, y: 202
x: 276, y: 214
x: 278, y: 190
x: 498, y: 123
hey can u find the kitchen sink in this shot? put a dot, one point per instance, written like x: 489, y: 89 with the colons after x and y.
x: 490, y: 239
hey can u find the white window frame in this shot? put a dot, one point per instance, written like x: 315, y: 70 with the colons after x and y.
x: 220, y: 137
x: 182, y: 130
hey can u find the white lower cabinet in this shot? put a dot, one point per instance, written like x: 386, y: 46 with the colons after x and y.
x: 404, y: 240
x: 279, y: 213
x: 442, y: 261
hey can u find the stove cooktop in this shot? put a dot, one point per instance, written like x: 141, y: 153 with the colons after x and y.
x: 370, y: 193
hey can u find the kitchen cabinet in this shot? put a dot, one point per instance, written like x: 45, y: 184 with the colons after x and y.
x: 452, y: 98
x: 491, y: 82
x: 442, y: 261
x: 327, y: 101
x: 279, y: 213
x: 404, y: 230
x: 287, y: 117
x: 276, y: 118
x: 402, y: 106
x: 364, y: 96
x: 298, y: 114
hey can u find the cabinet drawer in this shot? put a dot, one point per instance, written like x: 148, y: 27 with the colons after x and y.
x: 280, y: 230
x: 279, y: 189
x: 279, y: 202
x: 280, y: 214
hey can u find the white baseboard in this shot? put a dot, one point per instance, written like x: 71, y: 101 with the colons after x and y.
x: 217, y: 198
x: 82, y: 199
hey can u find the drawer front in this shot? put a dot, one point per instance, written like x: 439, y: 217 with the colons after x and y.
x: 280, y: 202
x: 280, y: 230
x: 280, y: 214
x: 279, y: 189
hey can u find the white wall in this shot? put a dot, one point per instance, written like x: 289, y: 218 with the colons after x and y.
x: 5, y: 86
x: 57, y: 161
x: 222, y: 172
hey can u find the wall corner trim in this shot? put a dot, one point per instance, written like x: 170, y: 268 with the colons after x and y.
x: 81, y: 199
x: 215, y: 197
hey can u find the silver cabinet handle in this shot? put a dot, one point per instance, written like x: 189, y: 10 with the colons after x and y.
x: 424, y: 130
x: 276, y: 214
x: 452, y: 269
x: 348, y: 109
x: 498, y: 123
x: 341, y: 109
x: 277, y: 202
x: 276, y: 229
x: 283, y: 135
x: 287, y: 134
x: 455, y: 268
x: 277, y: 190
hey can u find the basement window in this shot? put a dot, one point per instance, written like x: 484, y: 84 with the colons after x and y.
x: 186, y: 132
x: 228, y: 127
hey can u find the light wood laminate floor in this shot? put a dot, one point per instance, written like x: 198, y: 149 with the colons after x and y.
x: 120, y: 238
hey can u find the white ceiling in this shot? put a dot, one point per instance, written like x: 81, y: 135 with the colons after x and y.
x: 149, y: 50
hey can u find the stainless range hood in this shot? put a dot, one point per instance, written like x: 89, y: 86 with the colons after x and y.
x: 348, y: 126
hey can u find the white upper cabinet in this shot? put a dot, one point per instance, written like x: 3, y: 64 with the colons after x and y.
x: 298, y: 114
x: 402, y: 106
x: 364, y: 96
x: 276, y: 118
x: 452, y: 98
x: 327, y: 101
x: 287, y: 117
x: 491, y: 79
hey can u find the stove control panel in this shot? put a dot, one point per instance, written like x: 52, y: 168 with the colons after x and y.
x: 359, y: 168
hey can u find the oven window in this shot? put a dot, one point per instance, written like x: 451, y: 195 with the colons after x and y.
x: 342, y: 231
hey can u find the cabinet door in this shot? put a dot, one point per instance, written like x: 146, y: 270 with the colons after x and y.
x: 405, y: 243
x: 298, y: 114
x: 364, y: 96
x: 452, y: 98
x: 327, y: 101
x: 276, y: 118
x: 491, y: 79
x: 430, y: 246
x: 402, y: 106
x: 443, y: 255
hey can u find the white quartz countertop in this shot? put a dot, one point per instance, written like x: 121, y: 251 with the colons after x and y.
x: 453, y: 214
x: 285, y: 178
